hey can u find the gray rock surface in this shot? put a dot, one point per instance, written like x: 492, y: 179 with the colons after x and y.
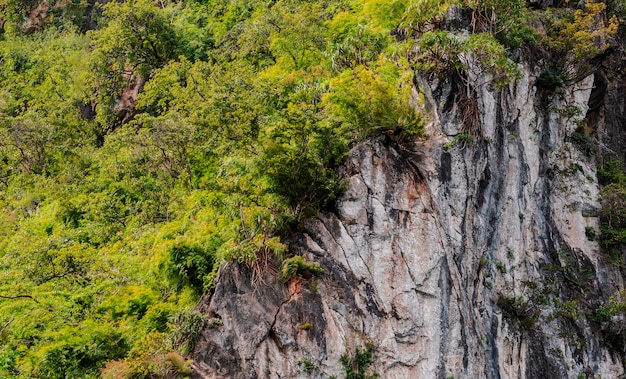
x: 451, y: 258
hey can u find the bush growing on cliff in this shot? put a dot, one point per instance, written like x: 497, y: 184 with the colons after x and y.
x: 611, y: 317
x: 357, y: 365
x: 519, y: 311
x: 367, y: 100
x: 298, y: 265
x: 611, y: 172
x: 154, y: 359
x: 574, y: 38
x: 613, y: 212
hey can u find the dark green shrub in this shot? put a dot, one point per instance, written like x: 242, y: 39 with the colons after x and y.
x: 552, y: 80
x: 356, y: 365
x: 584, y: 143
x: 190, y: 265
x: 462, y: 140
x: 307, y: 366
x: 611, y: 172
x: 611, y: 318
x: 590, y: 233
x: 507, y: 20
x: 613, y: 212
x: 301, y: 176
x: 518, y: 311
x: 302, y: 152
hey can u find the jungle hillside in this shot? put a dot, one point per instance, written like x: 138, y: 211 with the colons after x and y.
x: 143, y: 143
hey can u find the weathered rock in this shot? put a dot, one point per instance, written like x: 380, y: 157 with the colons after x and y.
x: 457, y: 18
x: 450, y: 262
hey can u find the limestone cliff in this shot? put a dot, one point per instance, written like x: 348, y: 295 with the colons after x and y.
x: 451, y: 257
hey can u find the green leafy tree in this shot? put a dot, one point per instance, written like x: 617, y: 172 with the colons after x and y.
x: 369, y: 100
x: 138, y: 38
x: 299, y: 34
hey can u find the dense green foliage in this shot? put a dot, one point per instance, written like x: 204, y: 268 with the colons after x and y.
x: 143, y: 142
x: 116, y: 210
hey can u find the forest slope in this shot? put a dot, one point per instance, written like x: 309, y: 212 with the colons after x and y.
x: 145, y: 143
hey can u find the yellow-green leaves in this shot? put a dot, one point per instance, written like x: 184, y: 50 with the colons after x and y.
x: 298, y: 35
x: 366, y: 100
x: 384, y: 15
x: 421, y: 15
x: 588, y: 34
x: 470, y: 57
x: 491, y: 57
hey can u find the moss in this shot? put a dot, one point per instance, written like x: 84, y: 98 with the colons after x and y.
x: 305, y: 326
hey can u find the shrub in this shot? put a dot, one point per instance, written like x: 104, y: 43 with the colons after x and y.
x: 151, y: 358
x: 590, y: 233
x: 189, y: 265
x: 611, y: 317
x: 613, y: 214
x: 187, y: 327
x: 302, y: 145
x: 356, y: 365
x: 462, y: 140
x: 422, y: 13
x: 360, y: 46
x: 518, y: 311
x: 572, y: 41
x: 553, y: 79
x: 308, y: 366
x: 437, y: 52
x: 611, y: 172
x: 588, y: 35
x: 80, y: 351
x: 298, y: 265
x: 504, y: 19
x: 367, y: 100
x: 584, y: 143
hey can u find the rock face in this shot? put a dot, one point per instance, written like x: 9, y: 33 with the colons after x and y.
x: 455, y: 257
